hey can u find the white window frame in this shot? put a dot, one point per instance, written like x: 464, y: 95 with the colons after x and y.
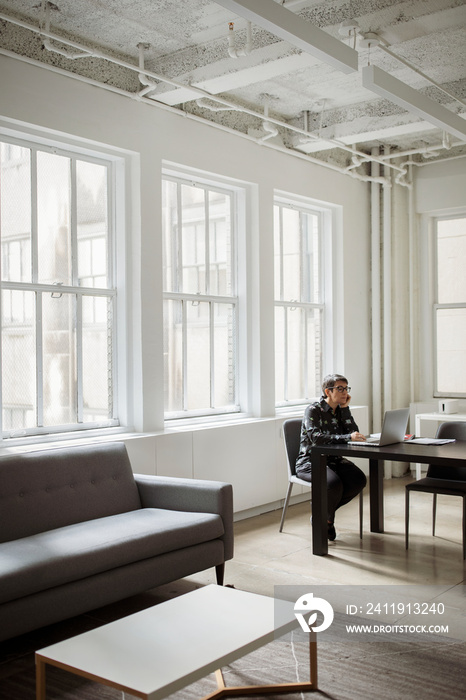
x: 329, y: 229
x: 436, y: 306
x: 238, y: 195
x: 34, y: 139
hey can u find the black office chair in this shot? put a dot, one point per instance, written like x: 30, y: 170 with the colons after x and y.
x: 292, y: 437
x: 448, y: 481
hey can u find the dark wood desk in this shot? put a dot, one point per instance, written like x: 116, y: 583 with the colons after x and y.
x: 443, y: 455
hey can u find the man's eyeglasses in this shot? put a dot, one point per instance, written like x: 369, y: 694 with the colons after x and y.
x: 341, y: 389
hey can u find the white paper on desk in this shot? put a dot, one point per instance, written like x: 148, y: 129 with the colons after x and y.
x: 429, y: 441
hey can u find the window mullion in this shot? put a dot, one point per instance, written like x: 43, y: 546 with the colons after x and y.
x: 305, y: 320
x: 207, y: 288
x: 212, y: 353
x: 303, y: 266
x: 73, y: 223
x: 451, y: 305
x: 112, y: 353
x: 320, y: 258
x: 34, y: 222
x: 233, y: 256
x: 38, y: 295
x: 184, y: 351
x: 79, y: 358
x: 177, y: 272
x: 39, y: 362
x: 111, y: 226
x: 78, y: 297
x: 285, y: 353
x: 281, y: 253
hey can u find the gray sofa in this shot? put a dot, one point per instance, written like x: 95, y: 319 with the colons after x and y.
x: 79, y: 530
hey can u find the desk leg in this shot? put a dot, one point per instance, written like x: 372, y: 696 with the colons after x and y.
x: 313, y: 659
x: 319, y: 505
x: 376, y: 494
x: 40, y: 679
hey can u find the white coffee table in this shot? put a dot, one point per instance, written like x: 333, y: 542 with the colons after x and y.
x: 162, y: 649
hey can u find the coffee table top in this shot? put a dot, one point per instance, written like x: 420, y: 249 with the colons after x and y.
x: 162, y: 649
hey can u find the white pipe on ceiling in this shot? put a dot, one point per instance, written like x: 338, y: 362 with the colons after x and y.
x: 283, y: 23
x: 180, y: 112
x: 150, y: 75
x: 233, y: 52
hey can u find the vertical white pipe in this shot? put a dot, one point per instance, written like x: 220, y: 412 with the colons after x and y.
x: 375, y: 298
x: 387, y: 290
x: 412, y: 288
x: 387, y: 300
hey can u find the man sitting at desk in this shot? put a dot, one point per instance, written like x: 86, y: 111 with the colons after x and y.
x: 325, y: 422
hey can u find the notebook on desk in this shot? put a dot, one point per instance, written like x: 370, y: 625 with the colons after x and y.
x: 394, y: 427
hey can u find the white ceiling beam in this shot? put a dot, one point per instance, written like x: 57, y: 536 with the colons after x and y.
x: 363, y: 136
x: 305, y: 36
x: 215, y: 79
x: 385, y: 85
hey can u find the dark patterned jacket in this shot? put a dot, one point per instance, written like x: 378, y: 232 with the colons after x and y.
x: 323, y: 427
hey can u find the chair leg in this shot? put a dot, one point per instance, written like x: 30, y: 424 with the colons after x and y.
x: 285, y: 505
x: 434, y: 513
x: 406, y: 518
x: 464, y: 527
x: 360, y: 515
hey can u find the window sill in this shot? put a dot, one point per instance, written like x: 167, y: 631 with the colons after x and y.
x: 42, y: 442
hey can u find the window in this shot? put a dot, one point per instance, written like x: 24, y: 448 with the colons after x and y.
x: 298, y: 302
x: 200, y: 298
x: 58, y: 298
x: 450, y: 307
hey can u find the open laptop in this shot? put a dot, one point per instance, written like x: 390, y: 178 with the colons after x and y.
x: 393, y: 430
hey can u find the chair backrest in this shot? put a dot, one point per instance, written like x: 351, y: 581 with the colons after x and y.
x: 292, y: 438
x: 457, y: 431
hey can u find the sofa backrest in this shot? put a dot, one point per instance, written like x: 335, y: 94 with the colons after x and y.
x: 52, y: 488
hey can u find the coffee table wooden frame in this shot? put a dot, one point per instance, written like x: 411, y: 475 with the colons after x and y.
x: 58, y: 655
x: 223, y: 691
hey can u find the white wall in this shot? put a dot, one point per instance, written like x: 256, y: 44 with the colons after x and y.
x: 248, y: 454
x: 441, y: 187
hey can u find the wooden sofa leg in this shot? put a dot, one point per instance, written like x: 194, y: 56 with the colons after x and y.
x: 220, y: 572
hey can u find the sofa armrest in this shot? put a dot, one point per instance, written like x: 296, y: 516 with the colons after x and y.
x: 191, y: 495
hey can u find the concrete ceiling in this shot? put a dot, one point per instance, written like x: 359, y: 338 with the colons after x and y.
x: 194, y: 60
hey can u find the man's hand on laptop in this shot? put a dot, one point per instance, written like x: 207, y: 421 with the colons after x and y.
x: 358, y: 437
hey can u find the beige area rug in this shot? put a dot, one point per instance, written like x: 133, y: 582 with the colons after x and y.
x: 391, y: 670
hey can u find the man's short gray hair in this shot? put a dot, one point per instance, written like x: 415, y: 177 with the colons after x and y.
x: 328, y: 382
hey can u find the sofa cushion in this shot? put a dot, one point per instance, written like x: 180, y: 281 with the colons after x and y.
x: 48, y: 489
x: 77, y: 551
